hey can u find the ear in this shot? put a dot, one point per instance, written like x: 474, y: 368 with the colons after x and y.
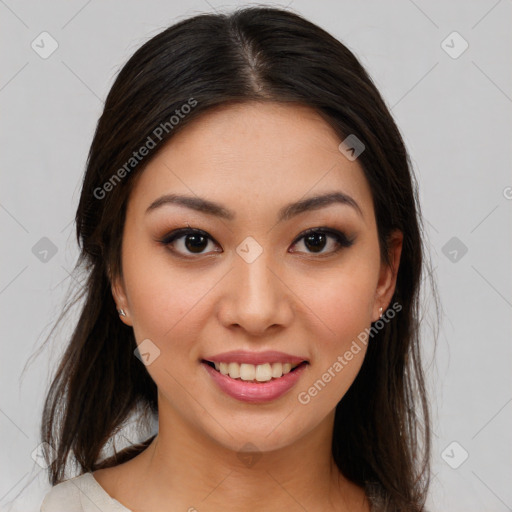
x: 119, y: 295
x: 388, y: 274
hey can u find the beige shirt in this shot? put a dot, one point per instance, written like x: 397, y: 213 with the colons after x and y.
x: 84, y: 494
x: 80, y: 494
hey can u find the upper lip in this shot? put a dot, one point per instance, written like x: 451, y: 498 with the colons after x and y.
x: 243, y: 356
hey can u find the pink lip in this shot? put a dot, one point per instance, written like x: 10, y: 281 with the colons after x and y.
x: 243, y: 356
x: 255, y: 392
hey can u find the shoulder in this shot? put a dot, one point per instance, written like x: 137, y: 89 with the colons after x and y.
x: 79, y: 494
x: 66, y: 494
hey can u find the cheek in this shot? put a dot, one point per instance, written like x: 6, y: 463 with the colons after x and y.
x: 163, y: 299
x: 343, y: 306
x: 343, y: 300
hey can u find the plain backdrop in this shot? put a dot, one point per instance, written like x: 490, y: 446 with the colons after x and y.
x: 444, y: 70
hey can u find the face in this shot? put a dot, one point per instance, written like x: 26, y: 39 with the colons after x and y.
x: 252, y: 274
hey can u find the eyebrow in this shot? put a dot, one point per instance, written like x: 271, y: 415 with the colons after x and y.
x: 285, y: 213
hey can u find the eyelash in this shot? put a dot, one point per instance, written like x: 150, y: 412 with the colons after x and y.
x: 341, y: 239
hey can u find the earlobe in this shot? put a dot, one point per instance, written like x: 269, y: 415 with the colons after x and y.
x: 388, y: 274
x: 119, y: 295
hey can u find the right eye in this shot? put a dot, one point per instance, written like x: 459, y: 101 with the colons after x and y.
x: 187, y: 239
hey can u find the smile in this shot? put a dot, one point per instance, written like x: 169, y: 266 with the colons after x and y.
x: 254, y: 373
x: 254, y: 383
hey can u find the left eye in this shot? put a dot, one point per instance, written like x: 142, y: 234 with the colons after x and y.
x: 315, y: 240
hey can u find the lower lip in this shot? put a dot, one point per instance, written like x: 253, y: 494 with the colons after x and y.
x: 255, y: 392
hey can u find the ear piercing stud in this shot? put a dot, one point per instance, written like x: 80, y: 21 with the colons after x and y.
x: 122, y: 313
x: 380, y: 312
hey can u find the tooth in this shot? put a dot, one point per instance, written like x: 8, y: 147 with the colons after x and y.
x: 234, y: 370
x: 286, y: 368
x: 277, y: 370
x: 247, y: 371
x: 263, y: 372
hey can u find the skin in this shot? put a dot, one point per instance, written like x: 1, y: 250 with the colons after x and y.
x: 290, y: 299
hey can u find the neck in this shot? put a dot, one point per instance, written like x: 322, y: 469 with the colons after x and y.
x: 197, y: 473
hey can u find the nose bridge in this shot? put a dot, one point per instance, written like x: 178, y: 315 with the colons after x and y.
x: 255, y: 279
x: 257, y: 297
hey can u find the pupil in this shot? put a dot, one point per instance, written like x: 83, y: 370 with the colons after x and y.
x: 317, y: 240
x: 197, y: 242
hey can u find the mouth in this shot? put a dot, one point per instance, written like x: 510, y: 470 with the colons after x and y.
x: 263, y: 382
x: 255, y: 373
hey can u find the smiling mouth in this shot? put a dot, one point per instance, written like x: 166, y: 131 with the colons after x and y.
x: 254, y: 373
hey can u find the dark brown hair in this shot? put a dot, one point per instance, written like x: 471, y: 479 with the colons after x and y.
x: 382, y: 426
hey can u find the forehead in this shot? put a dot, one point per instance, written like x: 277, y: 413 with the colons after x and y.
x: 253, y: 155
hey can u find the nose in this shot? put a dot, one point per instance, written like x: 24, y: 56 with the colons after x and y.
x: 256, y: 297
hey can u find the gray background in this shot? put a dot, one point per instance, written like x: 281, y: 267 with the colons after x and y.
x: 454, y: 114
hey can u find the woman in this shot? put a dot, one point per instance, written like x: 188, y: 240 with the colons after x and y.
x: 251, y: 233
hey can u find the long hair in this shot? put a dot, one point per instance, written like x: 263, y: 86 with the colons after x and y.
x: 382, y: 425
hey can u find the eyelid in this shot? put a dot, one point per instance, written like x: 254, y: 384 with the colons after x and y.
x: 178, y: 233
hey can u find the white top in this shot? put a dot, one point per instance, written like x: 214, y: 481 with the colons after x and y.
x: 80, y: 494
x: 84, y: 494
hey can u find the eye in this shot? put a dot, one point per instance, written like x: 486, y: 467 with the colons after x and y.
x: 191, y: 239
x: 316, y: 239
x: 194, y: 241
